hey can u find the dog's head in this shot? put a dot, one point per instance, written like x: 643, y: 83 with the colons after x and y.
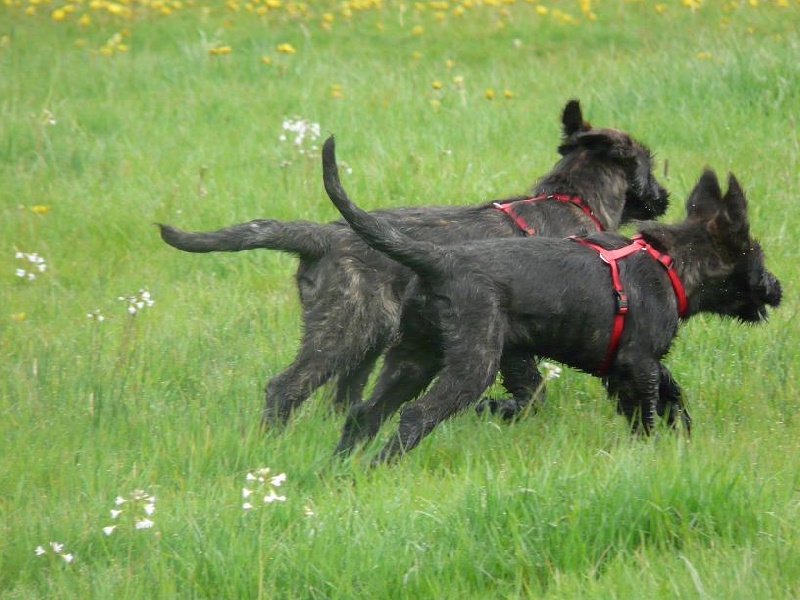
x: 737, y: 282
x: 645, y: 197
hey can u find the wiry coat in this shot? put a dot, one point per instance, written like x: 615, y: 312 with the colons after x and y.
x: 474, y: 305
x: 351, y: 294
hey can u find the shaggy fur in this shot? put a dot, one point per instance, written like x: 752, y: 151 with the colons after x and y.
x: 475, y: 305
x: 351, y: 294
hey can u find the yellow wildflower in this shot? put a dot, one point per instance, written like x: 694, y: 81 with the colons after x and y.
x: 489, y: 94
x: 40, y: 209
x: 286, y: 48
x: 436, y: 84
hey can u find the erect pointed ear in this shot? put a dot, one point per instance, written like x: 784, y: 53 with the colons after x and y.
x: 572, y: 119
x: 610, y: 142
x: 705, y: 200
x: 737, y: 224
x: 736, y: 203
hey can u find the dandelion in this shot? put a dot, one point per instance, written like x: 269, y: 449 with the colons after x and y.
x: 508, y: 94
x: 436, y: 84
x: 40, y: 209
x: 489, y: 93
x: 286, y: 48
x: 220, y: 50
x: 137, y: 301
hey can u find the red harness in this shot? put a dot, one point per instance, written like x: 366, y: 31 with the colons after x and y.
x: 508, y: 208
x: 610, y: 257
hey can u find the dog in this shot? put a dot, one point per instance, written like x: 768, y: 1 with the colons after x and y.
x: 600, y: 303
x: 351, y: 294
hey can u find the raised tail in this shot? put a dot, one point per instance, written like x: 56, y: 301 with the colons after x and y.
x: 303, y: 238
x: 424, y: 258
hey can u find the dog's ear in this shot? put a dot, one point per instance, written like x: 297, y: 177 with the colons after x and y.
x: 726, y: 217
x: 737, y: 224
x: 572, y: 120
x: 705, y: 201
x: 736, y: 202
x: 609, y: 142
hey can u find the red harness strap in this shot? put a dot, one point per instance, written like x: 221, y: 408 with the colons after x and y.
x: 610, y: 257
x: 508, y: 208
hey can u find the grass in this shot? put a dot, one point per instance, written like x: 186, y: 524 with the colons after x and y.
x: 140, y: 114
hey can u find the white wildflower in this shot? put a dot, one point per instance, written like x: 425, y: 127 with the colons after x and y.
x: 109, y: 529
x: 144, y: 524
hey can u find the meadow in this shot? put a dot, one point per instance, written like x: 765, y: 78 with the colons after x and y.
x: 131, y: 374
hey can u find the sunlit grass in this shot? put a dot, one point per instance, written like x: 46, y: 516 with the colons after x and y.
x: 130, y: 370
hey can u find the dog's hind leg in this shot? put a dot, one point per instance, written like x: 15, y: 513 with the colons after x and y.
x: 454, y: 390
x: 471, y: 360
x: 405, y: 374
x: 350, y: 385
x: 292, y: 386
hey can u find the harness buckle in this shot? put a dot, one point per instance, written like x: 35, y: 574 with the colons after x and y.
x: 622, y: 302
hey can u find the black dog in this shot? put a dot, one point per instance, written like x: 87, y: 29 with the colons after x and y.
x: 475, y: 305
x: 351, y: 294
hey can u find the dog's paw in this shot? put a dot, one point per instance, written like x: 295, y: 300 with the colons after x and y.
x: 506, y: 408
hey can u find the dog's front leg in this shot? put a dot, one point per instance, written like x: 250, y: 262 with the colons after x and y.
x: 636, y: 388
x: 671, y: 401
x: 521, y: 379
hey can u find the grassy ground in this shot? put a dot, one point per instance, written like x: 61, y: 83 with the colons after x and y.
x: 116, y: 115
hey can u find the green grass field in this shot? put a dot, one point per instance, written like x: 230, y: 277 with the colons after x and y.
x: 114, y: 116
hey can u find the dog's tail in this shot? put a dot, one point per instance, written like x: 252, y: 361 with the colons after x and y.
x: 424, y: 258
x: 303, y: 238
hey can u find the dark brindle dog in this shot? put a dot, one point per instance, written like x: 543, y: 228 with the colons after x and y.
x: 473, y: 303
x: 351, y: 294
